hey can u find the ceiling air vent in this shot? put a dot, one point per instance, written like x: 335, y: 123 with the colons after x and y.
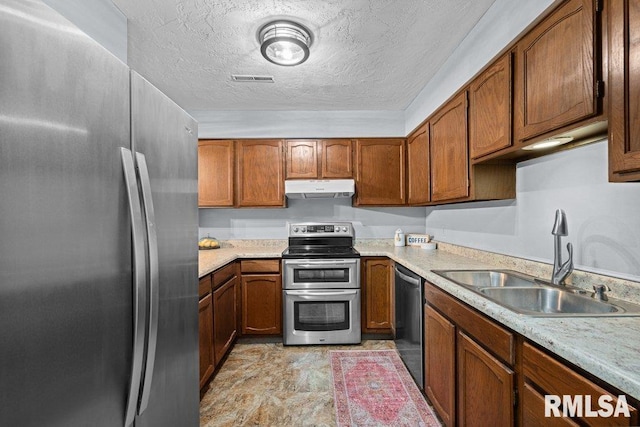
x: 251, y: 79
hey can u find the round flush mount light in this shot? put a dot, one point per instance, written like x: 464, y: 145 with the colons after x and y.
x: 548, y: 143
x: 285, y: 42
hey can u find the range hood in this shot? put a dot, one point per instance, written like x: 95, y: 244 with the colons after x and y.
x: 319, y: 188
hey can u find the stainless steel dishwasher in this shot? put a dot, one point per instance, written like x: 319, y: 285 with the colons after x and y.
x: 409, y: 321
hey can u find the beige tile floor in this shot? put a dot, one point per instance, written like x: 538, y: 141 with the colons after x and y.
x: 267, y: 384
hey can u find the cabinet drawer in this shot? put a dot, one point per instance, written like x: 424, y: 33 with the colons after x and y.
x: 497, y: 339
x: 260, y: 266
x: 533, y: 411
x: 204, y: 286
x: 222, y: 275
x: 555, y: 378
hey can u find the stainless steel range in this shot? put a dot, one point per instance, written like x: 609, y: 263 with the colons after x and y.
x: 321, y: 285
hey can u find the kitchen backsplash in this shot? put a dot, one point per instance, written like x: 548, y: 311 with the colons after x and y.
x: 369, y: 223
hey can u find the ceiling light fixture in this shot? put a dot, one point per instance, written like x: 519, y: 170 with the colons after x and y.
x: 548, y: 143
x: 284, y: 42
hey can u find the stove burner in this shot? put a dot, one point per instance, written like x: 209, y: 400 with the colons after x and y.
x: 321, y: 240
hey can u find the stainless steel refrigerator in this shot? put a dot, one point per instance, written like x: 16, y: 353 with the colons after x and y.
x: 98, y: 233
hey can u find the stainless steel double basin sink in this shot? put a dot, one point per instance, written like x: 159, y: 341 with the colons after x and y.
x: 531, y: 296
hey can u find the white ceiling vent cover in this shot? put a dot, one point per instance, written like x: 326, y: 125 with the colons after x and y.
x: 251, y: 79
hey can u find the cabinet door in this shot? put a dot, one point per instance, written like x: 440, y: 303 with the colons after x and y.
x: 336, y: 158
x: 260, y: 172
x: 556, y: 76
x: 224, y: 318
x: 302, y: 159
x: 377, y: 294
x: 449, y: 155
x: 205, y: 324
x: 418, y: 191
x: 215, y: 173
x: 262, y: 304
x: 490, y: 109
x: 624, y: 90
x: 485, y: 387
x: 380, y: 172
x: 440, y: 364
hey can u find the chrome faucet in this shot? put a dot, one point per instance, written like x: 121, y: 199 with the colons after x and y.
x: 560, y: 270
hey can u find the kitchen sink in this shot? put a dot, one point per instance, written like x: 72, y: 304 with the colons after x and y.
x: 489, y: 278
x: 532, y: 296
x: 544, y: 300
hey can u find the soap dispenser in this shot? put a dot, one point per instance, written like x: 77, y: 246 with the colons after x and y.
x: 398, y: 240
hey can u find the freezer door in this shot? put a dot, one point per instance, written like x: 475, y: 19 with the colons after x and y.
x: 167, y: 138
x: 65, y: 234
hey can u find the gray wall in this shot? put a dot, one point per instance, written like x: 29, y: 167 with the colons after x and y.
x: 603, y: 217
x: 271, y: 223
x: 100, y: 19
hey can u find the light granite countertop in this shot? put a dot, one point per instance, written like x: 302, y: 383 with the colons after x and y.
x: 608, y: 348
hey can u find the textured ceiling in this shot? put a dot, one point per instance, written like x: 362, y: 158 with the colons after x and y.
x: 366, y: 54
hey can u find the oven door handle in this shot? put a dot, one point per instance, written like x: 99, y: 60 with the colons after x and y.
x: 307, y: 264
x: 308, y: 294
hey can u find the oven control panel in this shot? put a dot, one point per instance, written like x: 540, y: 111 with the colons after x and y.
x: 321, y: 229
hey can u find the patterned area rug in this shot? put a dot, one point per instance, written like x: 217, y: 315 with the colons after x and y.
x: 374, y: 388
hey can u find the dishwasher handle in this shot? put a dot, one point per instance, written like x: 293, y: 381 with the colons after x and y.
x: 412, y: 280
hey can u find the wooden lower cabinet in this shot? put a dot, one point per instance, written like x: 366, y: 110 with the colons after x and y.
x: 551, y: 376
x: 472, y: 374
x: 440, y: 364
x: 467, y: 375
x: 261, y: 299
x: 225, y: 327
x: 205, y: 322
x: 262, y: 305
x: 485, y: 387
x: 376, y: 290
x: 533, y: 411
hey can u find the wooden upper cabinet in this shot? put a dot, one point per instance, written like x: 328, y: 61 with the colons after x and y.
x: 215, y: 173
x: 321, y: 159
x: 490, y: 109
x: 449, y: 153
x: 380, y: 172
x: 336, y: 158
x: 302, y: 159
x: 418, y: 191
x: 260, y: 173
x: 556, y: 72
x: 624, y: 90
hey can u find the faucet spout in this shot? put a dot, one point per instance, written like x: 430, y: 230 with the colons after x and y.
x: 561, y: 271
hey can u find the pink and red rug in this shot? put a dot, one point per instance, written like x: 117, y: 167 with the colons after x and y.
x: 374, y: 388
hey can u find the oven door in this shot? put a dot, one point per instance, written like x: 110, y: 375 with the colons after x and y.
x: 321, y: 316
x: 321, y: 273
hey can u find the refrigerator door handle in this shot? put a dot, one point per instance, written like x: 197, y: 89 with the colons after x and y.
x: 139, y: 280
x: 154, y: 275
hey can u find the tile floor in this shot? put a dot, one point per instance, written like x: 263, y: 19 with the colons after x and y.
x: 267, y: 384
